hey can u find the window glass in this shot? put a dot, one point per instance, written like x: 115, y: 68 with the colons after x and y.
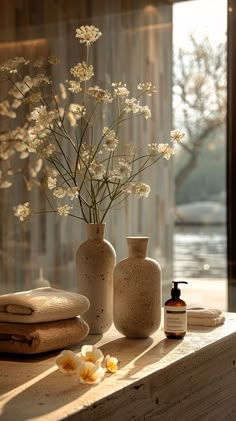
x: 199, y: 108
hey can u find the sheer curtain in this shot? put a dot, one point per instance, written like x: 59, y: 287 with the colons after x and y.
x: 135, y: 47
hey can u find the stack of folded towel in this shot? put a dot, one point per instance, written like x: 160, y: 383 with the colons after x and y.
x: 200, y: 316
x: 40, y: 320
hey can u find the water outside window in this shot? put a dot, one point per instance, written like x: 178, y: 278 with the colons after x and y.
x: 199, y: 108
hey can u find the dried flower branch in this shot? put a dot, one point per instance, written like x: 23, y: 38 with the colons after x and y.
x: 80, y: 163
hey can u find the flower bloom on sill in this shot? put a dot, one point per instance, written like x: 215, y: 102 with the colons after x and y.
x: 90, y: 373
x: 67, y: 362
x: 111, y: 364
x: 87, y: 365
x: 89, y: 353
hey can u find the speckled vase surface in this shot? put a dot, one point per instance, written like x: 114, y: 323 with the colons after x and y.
x: 95, y: 262
x: 137, y: 292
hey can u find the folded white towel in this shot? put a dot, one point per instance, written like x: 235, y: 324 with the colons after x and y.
x: 41, y: 305
x: 201, y: 316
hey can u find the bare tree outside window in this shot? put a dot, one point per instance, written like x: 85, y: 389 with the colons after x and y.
x: 199, y: 108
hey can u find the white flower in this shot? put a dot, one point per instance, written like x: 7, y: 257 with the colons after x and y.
x: 147, y: 87
x: 90, y: 373
x: 78, y: 110
x: 110, y: 139
x: 34, y: 144
x: 88, y: 34
x: 121, y: 170
x: 140, y: 189
x: 49, y: 149
x: 120, y: 89
x: 92, y: 354
x: 12, y: 65
x: 51, y: 182
x: 72, y: 192
x: 74, y: 86
x: 132, y: 105
x: 97, y: 171
x: 146, y: 111
x: 60, y: 192
x: 101, y: 95
x: 42, y: 117
x: 111, y: 364
x: 176, y: 135
x: 165, y: 150
x: 22, y: 211
x: 67, y: 362
x: 83, y: 71
x: 64, y: 210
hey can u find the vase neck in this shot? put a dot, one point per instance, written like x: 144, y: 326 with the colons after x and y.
x: 96, y: 231
x: 137, y: 246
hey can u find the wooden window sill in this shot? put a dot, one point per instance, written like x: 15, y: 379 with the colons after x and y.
x: 158, y: 379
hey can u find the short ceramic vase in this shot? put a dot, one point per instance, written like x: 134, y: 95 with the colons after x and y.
x: 95, y: 261
x: 137, y: 292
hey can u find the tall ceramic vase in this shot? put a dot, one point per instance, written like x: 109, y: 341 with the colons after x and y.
x: 95, y: 261
x: 137, y: 292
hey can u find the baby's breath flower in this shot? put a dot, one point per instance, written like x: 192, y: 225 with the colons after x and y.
x: 38, y: 80
x: 83, y: 71
x: 22, y: 211
x: 88, y: 34
x: 42, y: 117
x: 52, y: 182
x: 146, y: 111
x: 90, y: 373
x: 49, y: 149
x: 64, y: 210
x: 34, y: 145
x: 60, y: 192
x: 101, y: 95
x: 92, y: 354
x: 11, y: 66
x: 147, y: 87
x: 132, y: 105
x: 72, y: 192
x: 53, y: 59
x: 153, y: 148
x: 78, y: 110
x: 75, y: 86
x: 140, y: 189
x: 97, y: 170
x: 110, y: 139
x: 165, y: 150
x: 67, y: 362
x: 121, y: 170
x: 176, y: 135
x: 111, y: 364
x: 120, y: 89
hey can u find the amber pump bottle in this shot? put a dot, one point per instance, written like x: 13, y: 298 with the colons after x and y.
x: 175, y: 316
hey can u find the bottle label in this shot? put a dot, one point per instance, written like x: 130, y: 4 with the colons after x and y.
x: 175, y: 319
